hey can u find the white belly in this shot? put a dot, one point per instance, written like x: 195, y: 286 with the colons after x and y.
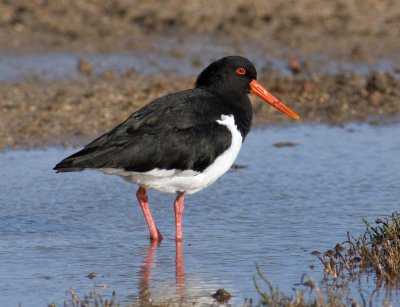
x: 189, y: 181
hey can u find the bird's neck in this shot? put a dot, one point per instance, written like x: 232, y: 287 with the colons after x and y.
x: 240, y: 107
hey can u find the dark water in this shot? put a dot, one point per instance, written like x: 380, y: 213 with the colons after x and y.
x: 285, y: 203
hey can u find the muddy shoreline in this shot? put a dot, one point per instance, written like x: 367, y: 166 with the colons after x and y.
x: 36, y: 111
x: 40, y: 112
x: 351, y: 29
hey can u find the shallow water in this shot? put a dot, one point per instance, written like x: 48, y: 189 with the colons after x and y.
x: 184, y: 57
x: 285, y: 203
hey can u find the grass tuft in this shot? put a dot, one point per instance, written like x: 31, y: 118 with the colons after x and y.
x: 376, y: 251
x: 308, y: 295
x: 93, y: 299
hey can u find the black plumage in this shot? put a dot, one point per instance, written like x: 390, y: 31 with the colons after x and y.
x: 182, y: 142
x: 176, y: 131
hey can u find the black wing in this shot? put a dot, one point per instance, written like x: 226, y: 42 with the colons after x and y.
x: 176, y: 131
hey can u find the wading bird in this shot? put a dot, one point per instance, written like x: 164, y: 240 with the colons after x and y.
x: 180, y: 143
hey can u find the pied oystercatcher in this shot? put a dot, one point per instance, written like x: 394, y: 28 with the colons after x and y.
x: 181, y: 142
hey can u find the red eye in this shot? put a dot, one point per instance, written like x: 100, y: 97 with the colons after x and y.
x: 240, y: 71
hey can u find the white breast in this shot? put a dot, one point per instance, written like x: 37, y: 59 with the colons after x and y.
x: 189, y: 181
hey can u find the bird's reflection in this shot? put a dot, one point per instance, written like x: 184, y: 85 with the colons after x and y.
x: 180, y: 270
x: 145, y: 273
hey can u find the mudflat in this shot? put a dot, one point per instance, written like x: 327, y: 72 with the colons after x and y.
x: 41, y: 111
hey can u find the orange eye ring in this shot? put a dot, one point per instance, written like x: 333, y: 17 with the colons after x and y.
x: 241, y: 71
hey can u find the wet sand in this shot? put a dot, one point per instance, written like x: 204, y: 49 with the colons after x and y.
x: 38, y: 112
x: 71, y: 111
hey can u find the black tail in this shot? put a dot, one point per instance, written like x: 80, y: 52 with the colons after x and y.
x: 89, y: 157
x: 75, y: 162
x: 66, y: 166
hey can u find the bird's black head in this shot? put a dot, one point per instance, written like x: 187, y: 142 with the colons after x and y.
x: 235, y: 76
x: 229, y: 75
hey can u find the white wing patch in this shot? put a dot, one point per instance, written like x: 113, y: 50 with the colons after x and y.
x: 189, y: 181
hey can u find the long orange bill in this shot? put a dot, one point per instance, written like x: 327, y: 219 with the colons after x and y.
x: 259, y: 90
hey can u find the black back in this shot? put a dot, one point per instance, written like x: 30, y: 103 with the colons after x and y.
x: 176, y: 131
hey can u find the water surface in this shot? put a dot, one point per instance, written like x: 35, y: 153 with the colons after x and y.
x: 168, y: 56
x: 285, y: 203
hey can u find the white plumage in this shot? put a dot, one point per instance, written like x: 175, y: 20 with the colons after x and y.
x: 188, y: 181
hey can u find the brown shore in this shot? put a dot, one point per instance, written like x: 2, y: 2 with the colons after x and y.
x: 36, y: 111
x: 358, y: 29
x: 60, y: 112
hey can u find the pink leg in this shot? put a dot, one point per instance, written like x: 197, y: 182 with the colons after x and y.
x: 155, y: 234
x: 178, y: 207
